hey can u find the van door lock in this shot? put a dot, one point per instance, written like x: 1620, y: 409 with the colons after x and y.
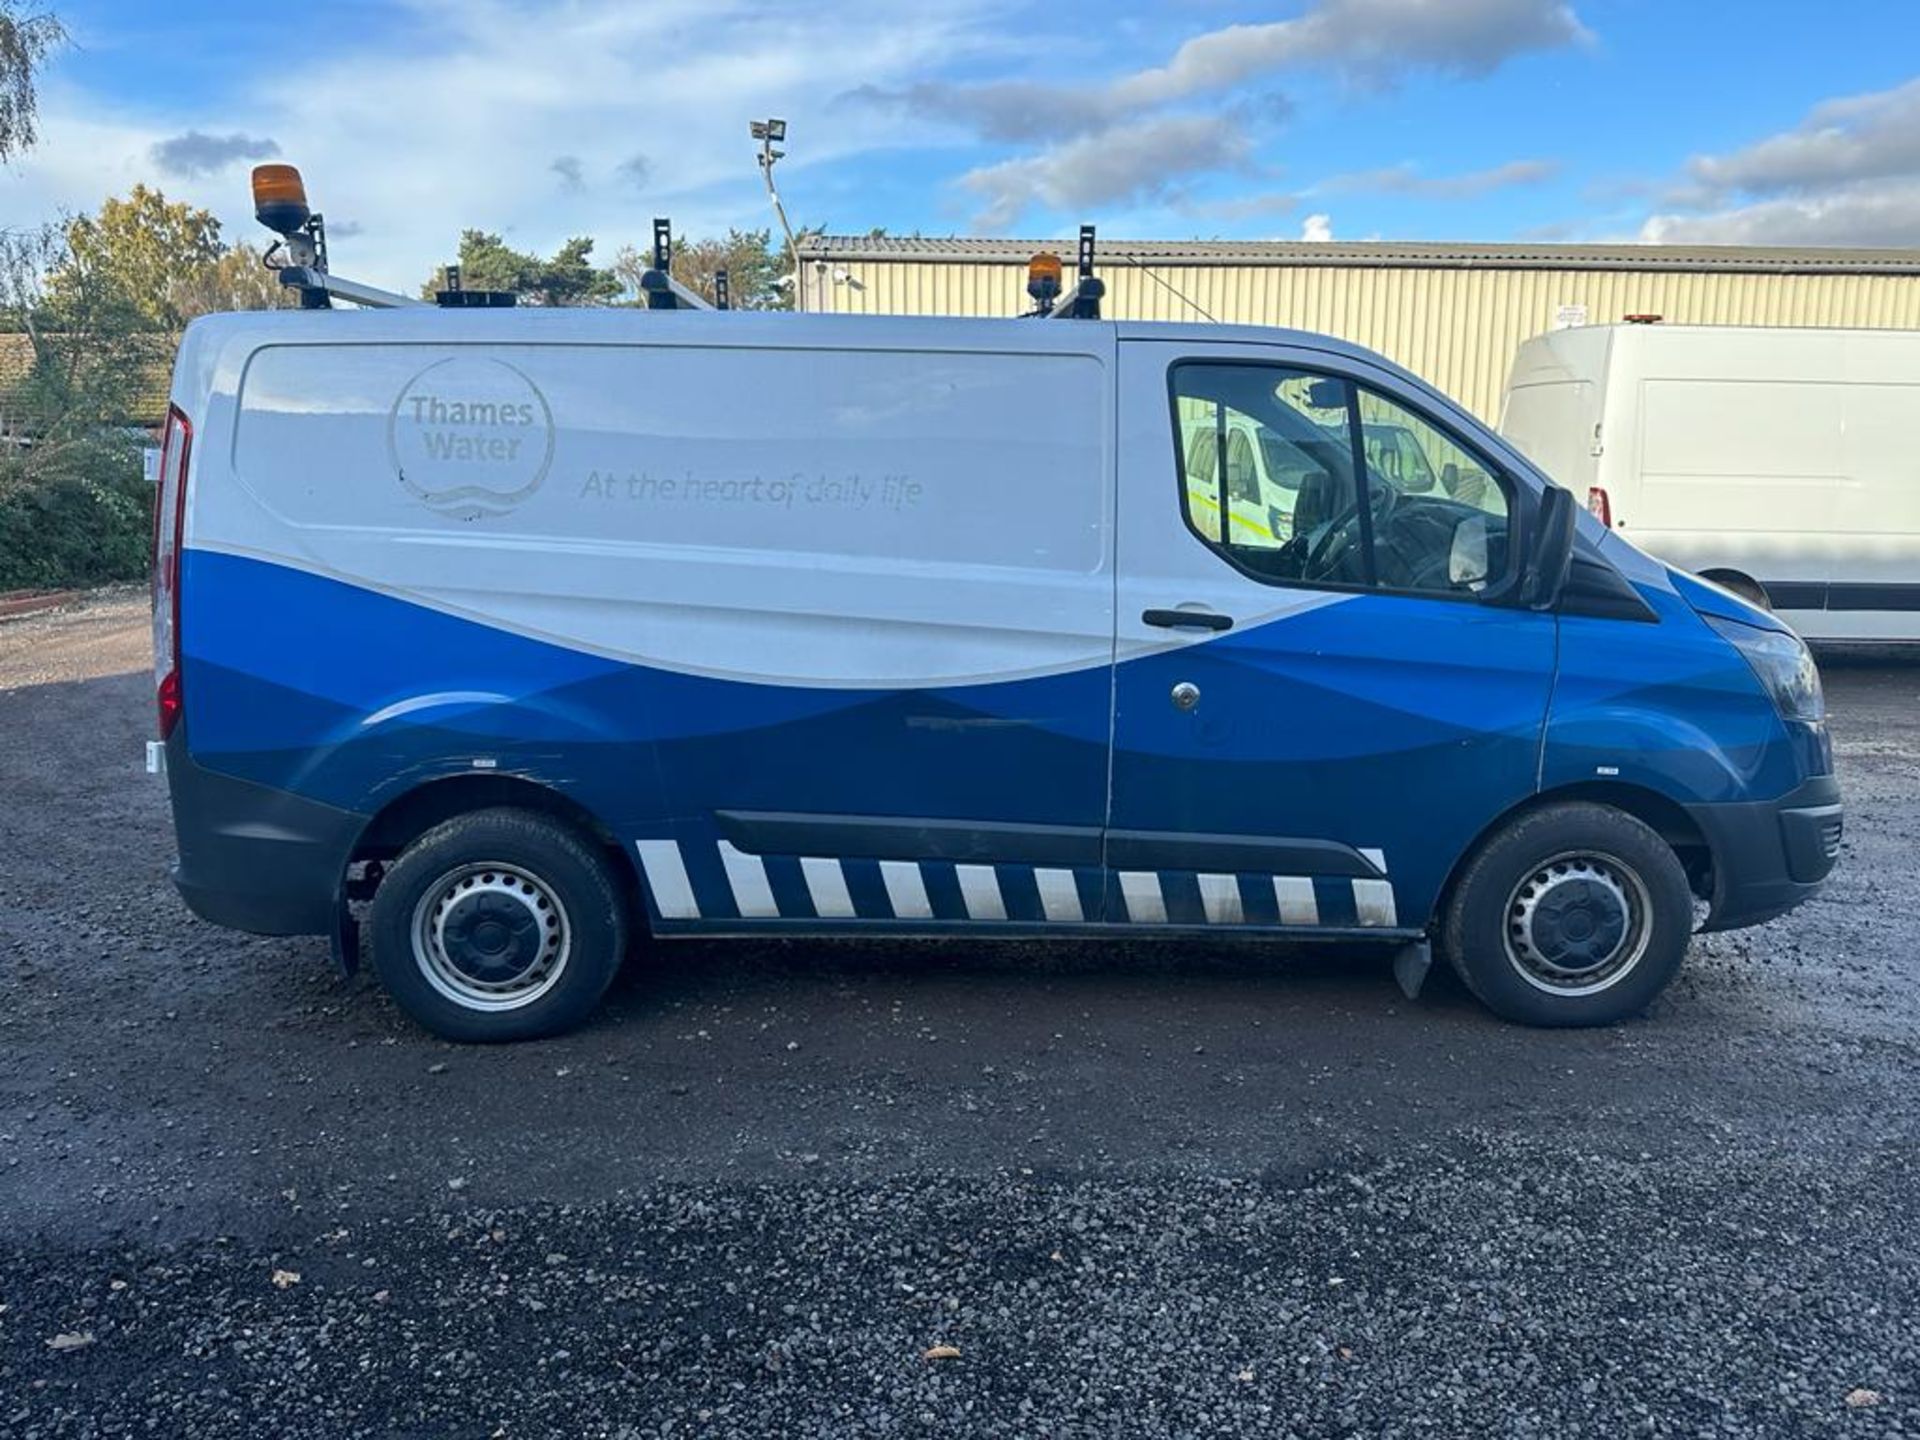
x: 1186, y: 695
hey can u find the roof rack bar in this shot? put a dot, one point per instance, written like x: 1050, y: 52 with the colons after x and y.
x: 317, y: 287
x: 657, y: 284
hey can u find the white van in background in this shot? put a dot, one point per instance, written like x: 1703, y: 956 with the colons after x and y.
x: 1782, y: 463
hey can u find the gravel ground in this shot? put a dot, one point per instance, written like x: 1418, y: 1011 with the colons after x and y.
x: 1138, y: 1190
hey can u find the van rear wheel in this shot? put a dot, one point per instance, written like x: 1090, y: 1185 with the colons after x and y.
x: 498, y: 925
x: 1574, y: 914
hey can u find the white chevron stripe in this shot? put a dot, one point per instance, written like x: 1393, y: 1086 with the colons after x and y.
x: 827, y: 884
x: 1297, y: 905
x: 748, y: 877
x: 1220, y: 894
x: 1146, y: 905
x: 667, y: 879
x: 906, y: 890
x: 980, y: 888
x: 1373, y: 902
x: 1145, y: 899
x: 1059, y: 896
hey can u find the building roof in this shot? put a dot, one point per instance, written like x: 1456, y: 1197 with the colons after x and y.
x: 1390, y: 254
x: 146, y: 402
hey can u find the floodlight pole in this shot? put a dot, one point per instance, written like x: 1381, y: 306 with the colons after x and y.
x: 766, y: 132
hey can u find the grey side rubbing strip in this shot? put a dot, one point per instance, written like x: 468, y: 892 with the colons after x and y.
x: 883, y: 837
x: 1174, y: 850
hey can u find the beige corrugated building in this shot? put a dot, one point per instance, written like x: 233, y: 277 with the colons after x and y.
x: 1452, y: 313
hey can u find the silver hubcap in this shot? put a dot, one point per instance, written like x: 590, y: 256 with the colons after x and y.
x: 491, y: 937
x: 1578, y: 924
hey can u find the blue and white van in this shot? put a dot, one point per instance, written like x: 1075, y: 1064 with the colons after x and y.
x: 513, y: 636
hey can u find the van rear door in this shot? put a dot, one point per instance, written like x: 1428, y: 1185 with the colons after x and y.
x: 1309, y: 731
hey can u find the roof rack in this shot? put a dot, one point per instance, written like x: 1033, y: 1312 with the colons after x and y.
x: 657, y: 284
x: 452, y: 295
x: 300, y: 257
x: 1082, y: 302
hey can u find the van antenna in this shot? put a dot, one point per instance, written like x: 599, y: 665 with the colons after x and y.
x: 1171, y: 289
x: 657, y: 284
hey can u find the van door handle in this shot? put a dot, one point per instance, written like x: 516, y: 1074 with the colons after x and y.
x: 1188, y: 619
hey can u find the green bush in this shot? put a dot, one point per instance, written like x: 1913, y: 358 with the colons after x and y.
x: 86, y: 521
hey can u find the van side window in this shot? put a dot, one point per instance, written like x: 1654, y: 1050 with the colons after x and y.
x: 1274, y: 444
x: 1282, y: 445
x: 1445, y: 529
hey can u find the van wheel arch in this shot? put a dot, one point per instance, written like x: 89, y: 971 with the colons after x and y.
x: 1664, y: 816
x: 411, y: 814
x: 1741, y: 584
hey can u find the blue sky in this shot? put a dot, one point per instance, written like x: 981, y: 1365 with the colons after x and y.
x: 1663, y: 120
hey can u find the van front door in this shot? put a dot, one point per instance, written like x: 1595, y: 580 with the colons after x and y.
x: 1313, y: 719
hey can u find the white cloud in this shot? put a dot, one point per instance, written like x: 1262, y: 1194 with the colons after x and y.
x: 1366, y: 42
x: 1848, y: 174
x: 1127, y: 164
x: 1407, y: 180
x: 1126, y: 133
x: 416, y: 142
x: 1859, y: 137
x: 1874, y: 214
x: 1317, y: 229
x: 1238, y: 207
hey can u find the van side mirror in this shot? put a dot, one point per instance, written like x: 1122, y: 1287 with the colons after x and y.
x: 1551, y: 554
x: 1327, y: 394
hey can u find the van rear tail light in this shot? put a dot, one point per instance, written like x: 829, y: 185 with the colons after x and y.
x: 169, y: 518
x: 1600, y: 506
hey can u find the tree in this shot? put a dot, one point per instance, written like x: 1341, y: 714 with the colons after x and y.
x: 745, y: 255
x: 74, y: 509
x: 88, y: 309
x: 145, y: 249
x: 164, y: 261
x: 26, y: 39
x: 758, y: 275
x: 488, y: 263
x: 238, y: 280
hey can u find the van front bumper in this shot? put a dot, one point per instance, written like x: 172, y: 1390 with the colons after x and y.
x: 255, y: 858
x: 1769, y: 855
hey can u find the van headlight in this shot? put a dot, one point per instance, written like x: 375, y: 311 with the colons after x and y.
x: 1785, y: 667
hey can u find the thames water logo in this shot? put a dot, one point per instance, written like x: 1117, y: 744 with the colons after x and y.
x: 470, y: 437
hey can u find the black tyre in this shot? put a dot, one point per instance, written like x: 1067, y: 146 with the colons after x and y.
x: 1574, y: 914
x: 499, y: 925
x: 1750, y: 591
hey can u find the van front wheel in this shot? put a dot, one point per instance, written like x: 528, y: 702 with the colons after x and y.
x: 501, y: 924
x: 1575, y: 914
